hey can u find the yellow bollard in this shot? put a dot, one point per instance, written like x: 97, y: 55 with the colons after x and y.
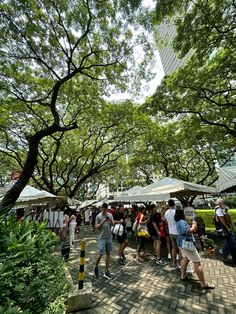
x: 81, y: 264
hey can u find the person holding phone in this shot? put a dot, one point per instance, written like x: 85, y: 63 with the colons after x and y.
x: 103, y: 222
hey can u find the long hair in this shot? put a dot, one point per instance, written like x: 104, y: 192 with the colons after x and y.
x: 179, y: 214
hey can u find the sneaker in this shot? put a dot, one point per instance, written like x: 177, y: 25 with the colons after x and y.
x: 189, y: 270
x: 177, y: 266
x: 160, y: 262
x: 186, y: 278
x: 121, y: 261
x: 208, y: 287
x: 95, y: 273
x: 169, y: 256
x: 107, y: 274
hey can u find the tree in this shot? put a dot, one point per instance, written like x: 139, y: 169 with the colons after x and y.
x: 68, y: 161
x: 182, y: 149
x: 49, y: 52
x: 205, y: 86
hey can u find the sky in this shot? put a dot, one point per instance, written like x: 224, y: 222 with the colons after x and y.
x: 148, y: 88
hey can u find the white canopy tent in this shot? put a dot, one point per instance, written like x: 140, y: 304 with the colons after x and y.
x: 87, y: 203
x: 143, y: 197
x: 32, y: 196
x: 165, y: 188
x: 176, y: 187
x: 227, y: 178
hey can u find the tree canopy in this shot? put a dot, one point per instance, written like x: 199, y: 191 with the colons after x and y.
x: 205, y: 85
x: 55, y: 58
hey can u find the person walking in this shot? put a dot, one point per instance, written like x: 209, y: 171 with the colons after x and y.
x: 189, y: 255
x: 119, y: 218
x: 72, y: 226
x: 103, y: 223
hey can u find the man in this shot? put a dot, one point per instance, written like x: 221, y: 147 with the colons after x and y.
x: 169, y: 216
x: 222, y: 216
x: 119, y: 218
x: 103, y: 223
x: 154, y: 230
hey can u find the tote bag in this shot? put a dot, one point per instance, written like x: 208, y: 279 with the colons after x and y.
x: 117, y: 229
x: 188, y: 244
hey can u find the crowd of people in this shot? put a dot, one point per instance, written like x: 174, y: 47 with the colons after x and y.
x: 165, y: 223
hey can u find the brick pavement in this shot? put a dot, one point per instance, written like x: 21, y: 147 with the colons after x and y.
x: 149, y: 288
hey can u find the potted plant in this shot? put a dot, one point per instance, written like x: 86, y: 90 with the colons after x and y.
x: 208, y: 244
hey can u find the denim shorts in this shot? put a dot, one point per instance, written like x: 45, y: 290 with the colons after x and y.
x: 104, y: 245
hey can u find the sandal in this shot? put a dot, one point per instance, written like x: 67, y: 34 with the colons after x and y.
x: 186, y: 278
x: 208, y: 287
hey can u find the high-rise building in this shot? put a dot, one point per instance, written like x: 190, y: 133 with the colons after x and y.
x: 169, y: 58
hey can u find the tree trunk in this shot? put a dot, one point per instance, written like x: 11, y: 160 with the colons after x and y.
x: 12, y: 195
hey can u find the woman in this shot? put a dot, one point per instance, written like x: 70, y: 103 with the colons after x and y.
x: 164, y: 230
x: 154, y: 228
x: 141, y: 224
x: 72, y: 226
x: 185, y: 230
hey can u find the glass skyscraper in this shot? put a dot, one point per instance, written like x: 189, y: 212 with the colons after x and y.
x: 169, y: 58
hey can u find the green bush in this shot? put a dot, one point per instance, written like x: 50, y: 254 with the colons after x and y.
x: 32, y: 276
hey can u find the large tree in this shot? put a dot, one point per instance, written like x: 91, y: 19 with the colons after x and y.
x: 183, y: 149
x: 67, y: 161
x: 49, y: 50
x: 205, y: 86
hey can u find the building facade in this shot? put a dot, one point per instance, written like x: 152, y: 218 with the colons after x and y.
x: 169, y: 57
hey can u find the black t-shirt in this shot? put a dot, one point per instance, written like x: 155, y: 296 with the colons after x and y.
x: 94, y: 214
x: 118, y: 216
x: 156, y: 218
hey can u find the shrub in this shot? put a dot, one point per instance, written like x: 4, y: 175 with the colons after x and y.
x: 32, y: 276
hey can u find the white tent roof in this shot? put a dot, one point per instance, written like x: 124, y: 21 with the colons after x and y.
x: 143, y: 197
x: 138, y: 194
x: 177, y: 187
x: 163, y: 189
x: 227, y: 178
x: 31, y: 195
x: 87, y: 203
x: 134, y: 190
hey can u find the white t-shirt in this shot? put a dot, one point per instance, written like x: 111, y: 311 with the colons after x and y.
x: 220, y: 212
x: 169, y: 216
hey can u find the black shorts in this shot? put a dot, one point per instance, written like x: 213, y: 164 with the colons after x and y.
x: 121, y: 239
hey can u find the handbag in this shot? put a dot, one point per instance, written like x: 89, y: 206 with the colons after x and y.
x: 117, y: 229
x: 188, y: 243
x: 143, y: 232
x: 135, y: 225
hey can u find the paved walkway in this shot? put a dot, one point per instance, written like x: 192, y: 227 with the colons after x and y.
x: 149, y: 288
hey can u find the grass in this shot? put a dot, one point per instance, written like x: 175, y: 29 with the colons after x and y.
x: 207, y: 215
